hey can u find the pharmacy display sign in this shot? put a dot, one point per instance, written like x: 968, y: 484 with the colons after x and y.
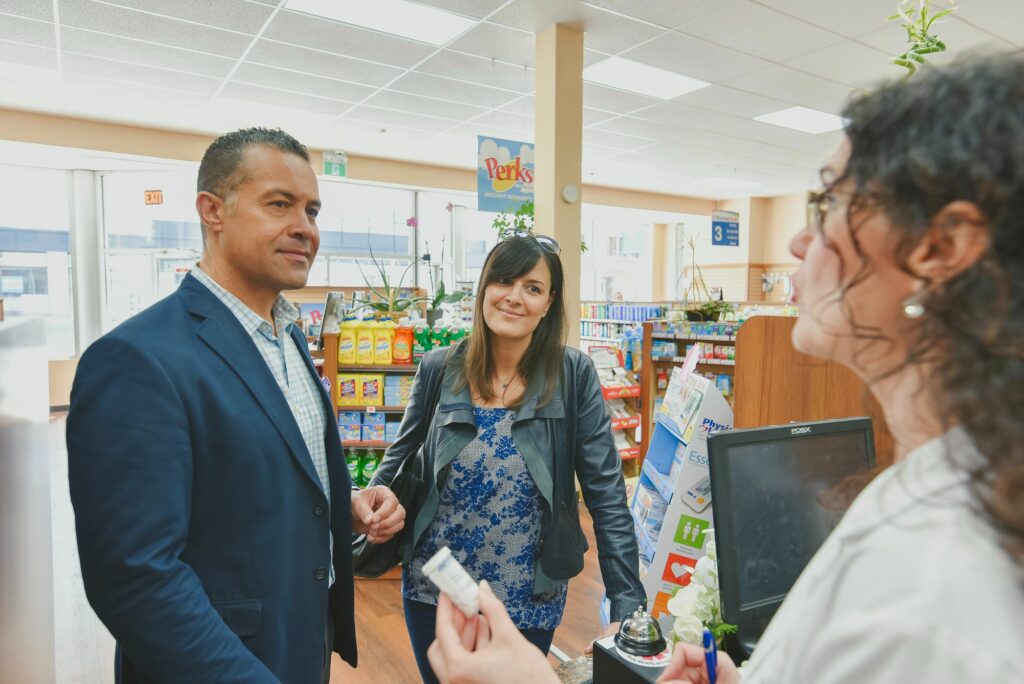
x: 504, y: 174
x: 725, y: 228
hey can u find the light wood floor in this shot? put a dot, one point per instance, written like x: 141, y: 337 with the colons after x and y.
x: 384, y: 651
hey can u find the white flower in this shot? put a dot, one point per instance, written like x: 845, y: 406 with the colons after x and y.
x: 706, y: 573
x: 685, y: 602
x: 689, y: 629
x: 710, y: 549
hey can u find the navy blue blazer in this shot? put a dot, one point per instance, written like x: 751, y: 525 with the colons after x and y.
x: 202, y: 526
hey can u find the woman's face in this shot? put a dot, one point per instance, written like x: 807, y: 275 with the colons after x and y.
x: 845, y: 326
x: 512, y: 309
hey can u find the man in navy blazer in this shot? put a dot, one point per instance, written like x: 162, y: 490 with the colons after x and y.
x: 213, y: 508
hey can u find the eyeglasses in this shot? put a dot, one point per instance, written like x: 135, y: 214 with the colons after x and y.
x: 548, y: 244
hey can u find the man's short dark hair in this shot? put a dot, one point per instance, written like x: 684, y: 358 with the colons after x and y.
x: 221, y: 171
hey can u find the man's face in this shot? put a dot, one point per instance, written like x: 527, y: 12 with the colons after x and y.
x: 268, y: 235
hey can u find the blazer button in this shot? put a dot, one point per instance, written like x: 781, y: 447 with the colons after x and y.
x: 319, y: 510
x: 320, y: 574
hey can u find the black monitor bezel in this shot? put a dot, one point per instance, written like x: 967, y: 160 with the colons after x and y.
x: 718, y: 444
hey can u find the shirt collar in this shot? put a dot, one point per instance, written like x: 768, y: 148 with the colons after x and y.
x: 283, y: 311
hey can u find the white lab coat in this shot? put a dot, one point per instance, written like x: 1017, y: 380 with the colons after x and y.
x: 911, y: 586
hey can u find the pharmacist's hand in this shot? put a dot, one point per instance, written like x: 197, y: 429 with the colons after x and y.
x: 611, y: 630
x: 377, y: 514
x: 485, y: 649
x: 687, y: 667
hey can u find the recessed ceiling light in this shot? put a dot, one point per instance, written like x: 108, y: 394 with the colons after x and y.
x: 728, y: 183
x: 397, y: 17
x: 803, y: 119
x: 625, y: 74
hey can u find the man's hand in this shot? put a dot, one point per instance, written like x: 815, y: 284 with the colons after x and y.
x: 377, y: 514
x: 484, y: 649
x: 688, y: 667
x: 611, y: 630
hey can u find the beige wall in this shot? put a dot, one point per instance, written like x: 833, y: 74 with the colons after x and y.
x: 784, y: 216
x: 62, y: 374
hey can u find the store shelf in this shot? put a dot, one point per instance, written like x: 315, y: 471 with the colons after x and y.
x: 617, y: 321
x: 593, y: 338
x: 693, y: 338
x: 377, y: 368
x: 681, y: 359
x: 368, y: 444
x: 371, y: 409
x: 625, y: 423
x: 630, y: 453
x: 620, y: 392
x: 659, y: 481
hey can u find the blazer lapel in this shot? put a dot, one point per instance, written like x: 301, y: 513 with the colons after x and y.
x: 222, y: 332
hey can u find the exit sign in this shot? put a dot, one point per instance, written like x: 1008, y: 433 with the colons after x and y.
x: 335, y: 163
x: 154, y: 196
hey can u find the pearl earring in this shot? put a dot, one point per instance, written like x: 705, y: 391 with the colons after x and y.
x: 912, y: 306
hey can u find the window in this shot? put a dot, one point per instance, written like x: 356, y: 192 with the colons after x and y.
x: 619, y: 245
x: 35, y: 255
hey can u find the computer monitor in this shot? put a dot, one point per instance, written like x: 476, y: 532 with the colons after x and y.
x: 775, y: 497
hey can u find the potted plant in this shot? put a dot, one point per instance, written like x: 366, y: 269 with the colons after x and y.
x: 389, y: 296
x: 700, y: 305
x: 917, y: 19
x: 441, y: 296
x: 519, y: 222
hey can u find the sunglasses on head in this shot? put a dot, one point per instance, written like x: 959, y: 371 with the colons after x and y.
x: 549, y: 244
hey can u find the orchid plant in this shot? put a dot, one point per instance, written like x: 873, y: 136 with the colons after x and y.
x: 697, y: 605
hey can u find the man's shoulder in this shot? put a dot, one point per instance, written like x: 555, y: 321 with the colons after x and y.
x: 156, y: 326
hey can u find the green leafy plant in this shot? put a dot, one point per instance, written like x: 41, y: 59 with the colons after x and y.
x: 697, y: 295
x: 440, y: 295
x: 389, y: 296
x: 519, y: 222
x: 917, y: 19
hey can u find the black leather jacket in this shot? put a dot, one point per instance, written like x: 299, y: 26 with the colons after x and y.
x: 568, y: 436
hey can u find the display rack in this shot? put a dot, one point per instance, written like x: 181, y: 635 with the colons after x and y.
x: 625, y: 420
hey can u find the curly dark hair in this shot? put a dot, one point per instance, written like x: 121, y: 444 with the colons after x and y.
x: 917, y: 145
x: 221, y: 170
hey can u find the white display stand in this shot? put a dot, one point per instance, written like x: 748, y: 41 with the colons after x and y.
x: 671, y: 507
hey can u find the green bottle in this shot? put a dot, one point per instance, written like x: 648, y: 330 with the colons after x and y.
x: 421, y: 341
x: 370, y: 461
x: 354, y: 467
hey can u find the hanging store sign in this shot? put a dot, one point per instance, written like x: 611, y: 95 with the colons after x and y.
x: 725, y: 228
x: 504, y: 174
x: 154, y: 197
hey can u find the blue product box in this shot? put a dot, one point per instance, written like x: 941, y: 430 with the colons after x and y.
x: 374, y: 418
x: 391, y: 431
x: 373, y: 433
x: 351, y: 431
x: 349, y: 417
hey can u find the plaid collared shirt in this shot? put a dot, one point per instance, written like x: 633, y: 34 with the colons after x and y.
x: 285, y: 362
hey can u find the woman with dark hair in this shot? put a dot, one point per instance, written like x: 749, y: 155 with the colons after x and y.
x: 518, y: 418
x: 912, y: 275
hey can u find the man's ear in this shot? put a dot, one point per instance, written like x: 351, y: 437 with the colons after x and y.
x: 211, y: 211
x: 957, y: 239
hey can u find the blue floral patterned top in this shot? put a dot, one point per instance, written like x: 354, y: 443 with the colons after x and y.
x: 490, y: 515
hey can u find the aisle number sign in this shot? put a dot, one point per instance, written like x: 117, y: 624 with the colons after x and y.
x: 725, y: 228
x: 154, y: 197
x: 504, y: 174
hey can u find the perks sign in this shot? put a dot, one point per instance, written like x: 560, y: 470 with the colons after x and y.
x: 504, y: 174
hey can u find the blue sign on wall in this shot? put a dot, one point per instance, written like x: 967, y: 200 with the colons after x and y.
x: 725, y: 228
x: 504, y: 174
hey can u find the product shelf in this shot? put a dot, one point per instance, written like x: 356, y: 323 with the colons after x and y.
x: 377, y: 368
x: 371, y: 409
x: 367, y: 444
x: 621, y: 392
x: 626, y: 423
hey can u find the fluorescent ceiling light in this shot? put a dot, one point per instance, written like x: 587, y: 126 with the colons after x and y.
x: 397, y: 17
x: 625, y: 74
x: 728, y: 183
x: 803, y: 119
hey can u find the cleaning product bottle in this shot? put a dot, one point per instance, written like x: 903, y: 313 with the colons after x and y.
x: 369, y: 462
x: 439, y: 335
x: 352, y: 462
x: 421, y: 341
x: 402, y: 350
x: 383, y: 336
x: 347, y: 340
x: 364, y: 340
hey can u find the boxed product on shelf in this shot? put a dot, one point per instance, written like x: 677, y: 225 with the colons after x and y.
x: 391, y: 431
x: 348, y: 389
x: 350, y: 417
x: 350, y: 431
x: 373, y: 418
x: 370, y: 388
x: 373, y: 433
x: 663, y: 348
x: 631, y: 486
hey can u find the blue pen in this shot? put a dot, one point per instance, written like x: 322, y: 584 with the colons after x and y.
x: 710, y: 655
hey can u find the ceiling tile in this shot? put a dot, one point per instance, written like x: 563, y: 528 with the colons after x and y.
x: 958, y: 35
x: 473, y: 129
x: 234, y: 15
x: 593, y: 136
x: 1003, y: 18
x: 521, y: 125
x: 667, y: 13
x: 134, y: 73
x: 727, y: 100
x: 28, y: 31
x: 526, y: 106
x: 614, y: 100
x: 457, y: 91
x: 497, y: 42
x: 694, y: 57
x: 141, y: 26
x: 478, y: 9
x: 480, y: 70
x: 603, y: 31
x: 28, y: 55
x: 272, y: 53
x: 280, y: 98
x: 849, y: 18
x: 386, y: 117
x: 414, y: 104
x: 674, y: 113
x: 742, y: 24
x: 850, y: 63
x: 796, y: 87
x: 32, y: 9
x: 593, y: 56
x: 77, y: 41
x: 593, y: 116
x: 331, y: 36
x: 140, y: 103
x: 256, y: 74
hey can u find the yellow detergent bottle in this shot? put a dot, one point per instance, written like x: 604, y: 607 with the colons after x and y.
x: 347, y: 340
x: 364, y: 340
x: 383, y: 338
